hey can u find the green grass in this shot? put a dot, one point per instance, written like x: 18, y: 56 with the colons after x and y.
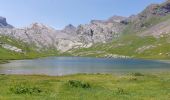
x: 29, y: 51
x: 3, y: 61
x: 135, y: 86
x: 128, y: 45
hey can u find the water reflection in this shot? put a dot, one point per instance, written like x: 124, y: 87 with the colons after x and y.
x: 73, y: 65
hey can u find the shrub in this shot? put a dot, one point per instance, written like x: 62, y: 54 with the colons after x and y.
x: 120, y: 91
x: 132, y: 78
x: 78, y: 84
x: 136, y: 74
x: 24, y: 89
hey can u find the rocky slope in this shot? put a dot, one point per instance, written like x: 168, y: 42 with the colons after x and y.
x: 143, y: 35
x: 44, y: 37
x: 99, y: 31
x: 146, y: 35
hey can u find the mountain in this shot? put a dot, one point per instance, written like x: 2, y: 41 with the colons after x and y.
x: 145, y: 35
x: 44, y: 37
x: 152, y: 15
x: 70, y: 29
x: 4, y: 24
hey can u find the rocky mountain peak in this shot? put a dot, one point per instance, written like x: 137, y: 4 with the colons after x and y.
x: 97, y: 21
x: 39, y: 26
x: 115, y: 18
x: 3, y: 21
x: 156, y: 10
x: 148, y: 16
x: 69, y: 29
x: 166, y: 7
x: 4, y: 24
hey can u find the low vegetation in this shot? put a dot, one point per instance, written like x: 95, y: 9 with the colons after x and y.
x: 146, y: 47
x: 78, y: 84
x: 3, y: 61
x: 25, y: 89
x: 29, y: 51
x: 132, y: 86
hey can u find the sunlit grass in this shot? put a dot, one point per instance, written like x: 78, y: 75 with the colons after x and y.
x: 135, y: 86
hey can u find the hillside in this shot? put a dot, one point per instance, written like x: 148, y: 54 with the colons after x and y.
x: 146, y: 35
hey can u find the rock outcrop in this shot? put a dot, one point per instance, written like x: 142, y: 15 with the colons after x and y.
x: 11, y: 48
x: 70, y: 29
x: 4, y: 24
x: 100, y: 31
x: 153, y: 14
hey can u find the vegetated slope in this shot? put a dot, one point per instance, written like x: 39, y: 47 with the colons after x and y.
x: 132, y: 46
x: 147, y: 35
x: 11, y: 48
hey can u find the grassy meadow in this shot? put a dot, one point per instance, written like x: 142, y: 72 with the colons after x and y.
x: 146, y: 47
x: 132, y: 86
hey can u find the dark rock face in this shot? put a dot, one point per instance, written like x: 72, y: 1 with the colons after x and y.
x: 164, y: 8
x: 4, y: 24
x: 70, y: 29
x: 155, y: 10
x: 3, y: 21
x: 148, y: 16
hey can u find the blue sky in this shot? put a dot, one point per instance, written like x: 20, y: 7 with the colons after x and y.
x: 58, y: 13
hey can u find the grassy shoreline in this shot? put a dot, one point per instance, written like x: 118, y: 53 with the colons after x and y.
x: 4, y: 61
x: 132, y: 86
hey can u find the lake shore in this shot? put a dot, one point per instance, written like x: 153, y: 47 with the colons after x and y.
x: 130, y: 86
x: 4, y: 61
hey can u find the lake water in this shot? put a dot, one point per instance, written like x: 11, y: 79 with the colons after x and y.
x: 73, y: 65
